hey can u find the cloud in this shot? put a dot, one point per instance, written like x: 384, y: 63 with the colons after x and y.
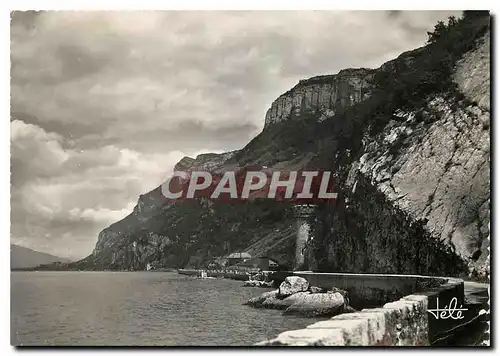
x: 36, y: 153
x: 103, y: 104
x: 65, y: 196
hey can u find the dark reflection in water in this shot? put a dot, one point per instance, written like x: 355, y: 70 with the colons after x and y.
x: 138, y: 308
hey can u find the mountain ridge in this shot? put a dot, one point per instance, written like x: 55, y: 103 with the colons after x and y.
x: 23, y: 257
x: 382, y: 135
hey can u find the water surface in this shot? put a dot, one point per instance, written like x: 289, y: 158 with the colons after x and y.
x: 138, y: 309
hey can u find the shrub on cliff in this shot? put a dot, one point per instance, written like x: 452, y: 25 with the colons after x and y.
x: 415, y: 75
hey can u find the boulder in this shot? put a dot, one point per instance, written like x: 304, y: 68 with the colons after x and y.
x: 276, y: 303
x: 338, y: 290
x: 318, y: 304
x: 348, y: 309
x: 341, y: 291
x: 258, y: 300
x: 295, y: 298
x: 292, y: 285
x: 314, y: 289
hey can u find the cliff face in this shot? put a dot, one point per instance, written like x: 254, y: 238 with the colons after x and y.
x: 417, y: 192
x: 325, y: 95
x: 207, y: 161
x: 438, y: 172
x: 410, y: 144
x: 417, y: 199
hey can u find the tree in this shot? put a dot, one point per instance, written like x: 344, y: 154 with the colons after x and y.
x: 439, y: 29
x: 472, y: 14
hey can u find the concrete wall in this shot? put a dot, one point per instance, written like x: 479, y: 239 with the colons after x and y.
x: 371, y: 290
x: 405, y: 322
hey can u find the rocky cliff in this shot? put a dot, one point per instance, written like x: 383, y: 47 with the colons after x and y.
x: 324, y: 95
x: 417, y: 185
x: 207, y: 161
x: 410, y: 144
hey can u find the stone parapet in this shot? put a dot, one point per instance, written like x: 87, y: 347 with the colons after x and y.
x: 404, y: 322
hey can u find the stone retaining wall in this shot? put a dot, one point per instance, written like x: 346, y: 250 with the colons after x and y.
x: 405, y: 322
x: 372, y: 290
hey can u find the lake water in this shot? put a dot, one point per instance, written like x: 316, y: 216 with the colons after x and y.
x: 138, y: 309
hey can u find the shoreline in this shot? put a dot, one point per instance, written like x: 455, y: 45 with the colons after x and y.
x: 226, y: 274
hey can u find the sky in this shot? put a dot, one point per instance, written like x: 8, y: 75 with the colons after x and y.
x: 103, y: 104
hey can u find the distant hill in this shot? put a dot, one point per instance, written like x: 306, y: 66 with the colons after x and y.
x: 22, y: 257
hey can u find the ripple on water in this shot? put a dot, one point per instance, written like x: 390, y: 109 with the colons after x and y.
x: 138, y: 308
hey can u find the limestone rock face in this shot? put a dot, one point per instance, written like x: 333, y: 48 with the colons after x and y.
x: 325, y: 95
x: 439, y: 172
x: 473, y: 74
x: 416, y: 188
x: 204, y: 162
x: 292, y: 285
x: 317, y: 304
x: 442, y: 176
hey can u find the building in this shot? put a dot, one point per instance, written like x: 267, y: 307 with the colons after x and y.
x: 263, y: 263
x: 237, y: 257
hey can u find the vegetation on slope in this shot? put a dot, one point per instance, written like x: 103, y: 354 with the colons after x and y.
x: 193, y: 235
x: 356, y: 235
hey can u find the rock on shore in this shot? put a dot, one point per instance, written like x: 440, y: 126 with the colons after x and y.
x: 317, y: 304
x: 274, y: 302
x: 293, y: 285
x: 262, y: 284
x: 258, y: 300
x: 296, y: 296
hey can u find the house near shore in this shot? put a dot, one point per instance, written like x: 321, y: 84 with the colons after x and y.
x: 237, y: 257
x: 263, y: 263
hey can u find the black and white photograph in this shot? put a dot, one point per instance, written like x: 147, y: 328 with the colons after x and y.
x: 250, y: 178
